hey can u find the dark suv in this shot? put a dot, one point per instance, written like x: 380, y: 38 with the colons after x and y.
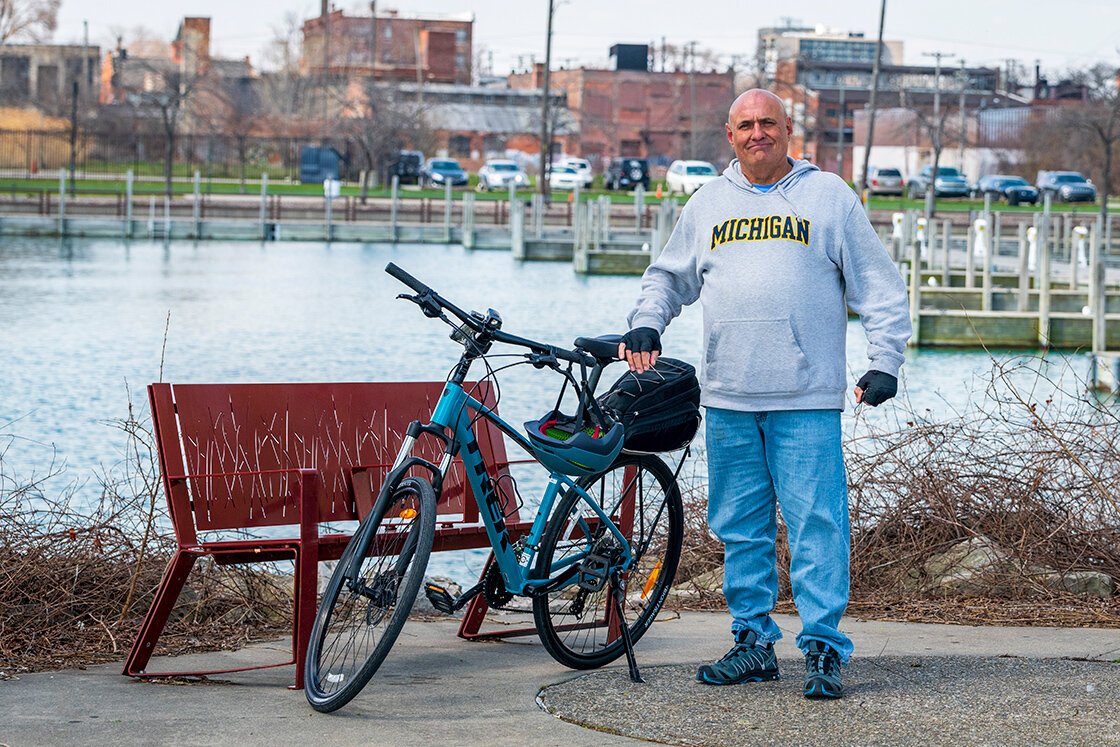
x: 627, y: 173
x: 407, y: 165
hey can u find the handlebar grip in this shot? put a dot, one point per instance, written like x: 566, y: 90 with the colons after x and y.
x: 407, y: 279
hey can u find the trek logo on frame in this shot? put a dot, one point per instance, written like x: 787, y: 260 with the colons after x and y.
x: 761, y: 228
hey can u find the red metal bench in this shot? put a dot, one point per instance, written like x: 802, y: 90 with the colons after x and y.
x: 270, y: 457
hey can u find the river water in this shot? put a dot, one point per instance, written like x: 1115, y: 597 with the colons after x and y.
x: 82, y: 324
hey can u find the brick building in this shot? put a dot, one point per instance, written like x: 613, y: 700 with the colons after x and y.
x: 389, y: 45
x: 825, y: 78
x: 44, y: 74
x: 632, y: 111
x: 187, y: 58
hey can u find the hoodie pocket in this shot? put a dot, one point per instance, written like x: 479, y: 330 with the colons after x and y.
x: 755, y: 356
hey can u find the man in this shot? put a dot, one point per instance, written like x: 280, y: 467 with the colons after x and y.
x: 776, y: 251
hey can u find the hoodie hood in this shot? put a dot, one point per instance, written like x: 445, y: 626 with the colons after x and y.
x: 734, y: 174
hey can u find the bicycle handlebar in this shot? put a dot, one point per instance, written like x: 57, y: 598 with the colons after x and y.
x: 427, y: 295
x: 407, y: 279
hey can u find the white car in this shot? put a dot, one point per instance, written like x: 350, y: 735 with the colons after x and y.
x: 688, y: 176
x: 499, y: 173
x: 583, y: 168
x: 563, y: 178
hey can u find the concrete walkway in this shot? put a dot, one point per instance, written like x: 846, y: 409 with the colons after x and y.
x: 910, y: 684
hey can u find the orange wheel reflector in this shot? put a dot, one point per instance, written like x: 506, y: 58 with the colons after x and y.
x: 651, y: 580
x: 407, y: 513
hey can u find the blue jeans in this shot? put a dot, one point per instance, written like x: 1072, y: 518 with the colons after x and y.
x: 756, y: 461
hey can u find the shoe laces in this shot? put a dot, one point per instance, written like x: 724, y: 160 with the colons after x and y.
x: 822, y: 661
x: 747, y: 643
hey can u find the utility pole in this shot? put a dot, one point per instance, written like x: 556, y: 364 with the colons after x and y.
x: 935, y: 130
x: 692, y: 100
x: 546, y: 135
x: 326, y: 15
x: 874, y: 100
x: 85, y: 59
x: 841, y: 117
x: 963, y: 76
x: 372, y: 41
x: 73, y: 130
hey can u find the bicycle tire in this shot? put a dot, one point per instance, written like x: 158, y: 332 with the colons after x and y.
x: 573, y: 623
x: 345, y: 650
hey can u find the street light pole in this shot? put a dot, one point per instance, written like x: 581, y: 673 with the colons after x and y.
x: 546, y: 138
x: 874, y: 100
x: 961, y: 143
x: 692, y: 100
x: 935, y: 130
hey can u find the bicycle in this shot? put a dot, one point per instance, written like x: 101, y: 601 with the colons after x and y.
x: 598, y: 560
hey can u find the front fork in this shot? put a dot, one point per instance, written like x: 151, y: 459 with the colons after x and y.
x: 404, y: 462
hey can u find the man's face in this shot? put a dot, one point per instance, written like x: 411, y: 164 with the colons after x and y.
x: 759, y: 133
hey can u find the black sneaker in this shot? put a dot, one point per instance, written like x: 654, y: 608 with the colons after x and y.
x: 747, y: 661
x: 822, y: 672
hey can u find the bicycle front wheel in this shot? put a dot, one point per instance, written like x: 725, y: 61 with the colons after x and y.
x: 362, y: 613
x: 577, y: 623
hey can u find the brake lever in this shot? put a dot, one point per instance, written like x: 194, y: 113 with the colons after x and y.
x: 543, y: 360
x: 431, y: 309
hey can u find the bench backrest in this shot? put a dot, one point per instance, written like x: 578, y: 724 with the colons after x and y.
x: 229, y: 451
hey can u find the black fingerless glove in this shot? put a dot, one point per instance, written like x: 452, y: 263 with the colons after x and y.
x: 877, y: 387
x: 642, y: 340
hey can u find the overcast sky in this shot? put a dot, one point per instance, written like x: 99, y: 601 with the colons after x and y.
x: 982, y: 32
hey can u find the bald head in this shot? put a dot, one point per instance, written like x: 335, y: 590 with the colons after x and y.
x: 756, y: 97
x: 759, y: 131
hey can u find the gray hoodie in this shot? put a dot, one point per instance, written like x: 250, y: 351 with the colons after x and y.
x: 775, y: 273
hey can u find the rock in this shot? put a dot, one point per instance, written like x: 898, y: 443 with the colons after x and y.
x: 1084, y: 583
x: 967, y: 567
x: 978, y: 566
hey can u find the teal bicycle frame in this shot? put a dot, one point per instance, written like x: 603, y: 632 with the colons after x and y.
x: 453, y: 411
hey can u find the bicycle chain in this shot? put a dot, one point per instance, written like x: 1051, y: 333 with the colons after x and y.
x: 494, y: 587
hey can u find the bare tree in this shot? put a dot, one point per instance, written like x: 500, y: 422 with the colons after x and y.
x: 231, y: 107
x: 1098, y: 120
x: 284, y: 90
x: 164, y: 89
x: 30, y: 20
x: 379, y: 121
x: 932, y: 125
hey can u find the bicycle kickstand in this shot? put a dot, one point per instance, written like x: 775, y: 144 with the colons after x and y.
x: 627, y: 644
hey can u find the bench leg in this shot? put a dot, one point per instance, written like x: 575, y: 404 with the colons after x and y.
x: 306, y: 607
x: 166, y: 595
x: 476, y: 613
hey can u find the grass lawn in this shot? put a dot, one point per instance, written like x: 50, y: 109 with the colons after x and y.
x: 183, y: 186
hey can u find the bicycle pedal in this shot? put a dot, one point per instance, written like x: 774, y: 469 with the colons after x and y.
x: 440, y: 598
x: 592, y: 575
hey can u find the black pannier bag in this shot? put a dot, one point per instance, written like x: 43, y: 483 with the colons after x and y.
x: 659, y: 409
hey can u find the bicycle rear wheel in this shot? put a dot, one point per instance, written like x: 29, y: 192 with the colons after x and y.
x: 359, y: 619
x: 577, y: 625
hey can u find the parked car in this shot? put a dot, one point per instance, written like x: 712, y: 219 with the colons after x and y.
x: 583, y: 168
x: 406, y: 165
x: 1014, y: 189
x: 627, y: 173
x: 499, y: 173
x: 439, y: 172
x: 884, y: 181
x: 563, y: 178
x: 688, y: 176
x: 949, y: 183
x: 1067, y: 186
x: 318, y: 164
